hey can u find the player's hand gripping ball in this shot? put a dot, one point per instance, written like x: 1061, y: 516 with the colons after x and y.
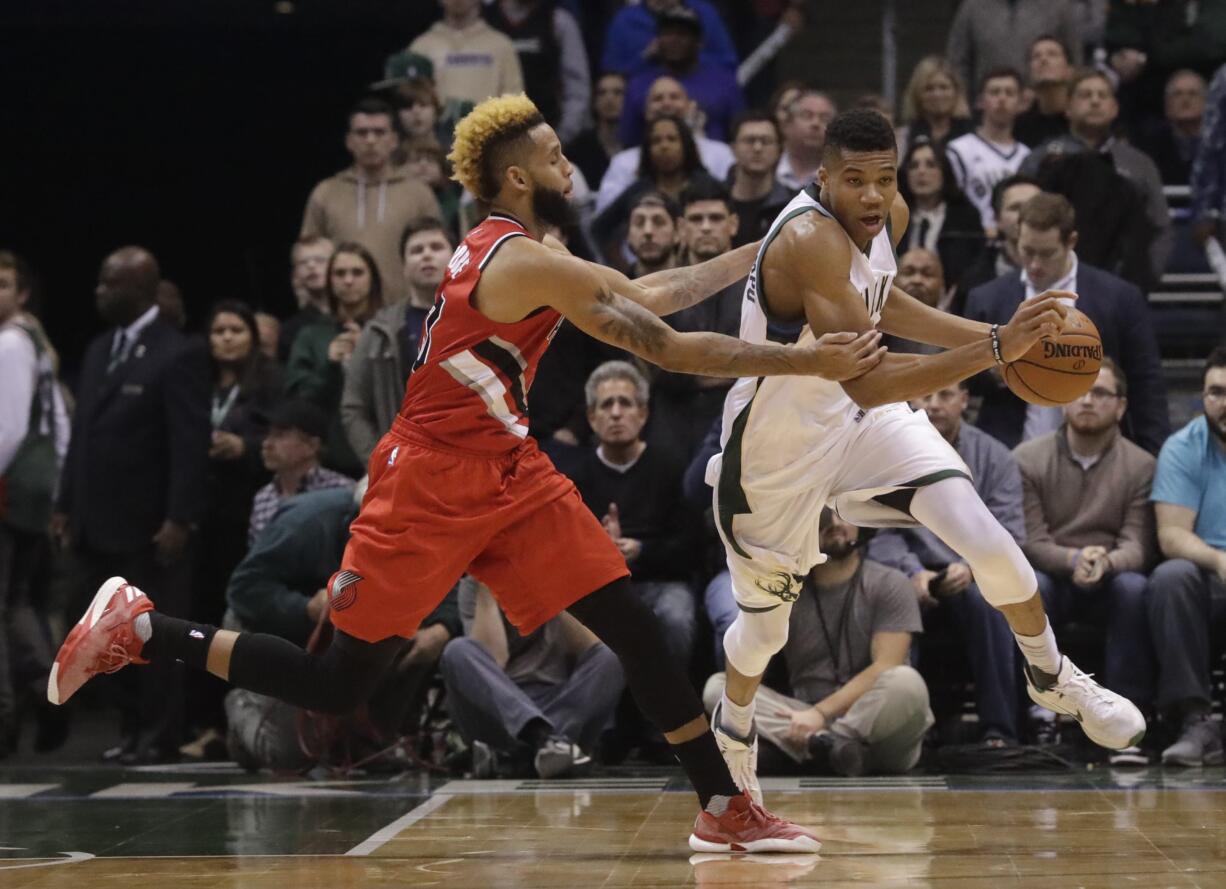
x: 1058, y: 369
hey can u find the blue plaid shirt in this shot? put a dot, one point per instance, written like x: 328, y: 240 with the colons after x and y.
x: 269, y: 498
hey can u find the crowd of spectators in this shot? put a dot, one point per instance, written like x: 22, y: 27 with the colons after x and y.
x: 220, y: 468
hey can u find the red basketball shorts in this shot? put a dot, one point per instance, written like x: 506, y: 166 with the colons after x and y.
x: 431, y: 515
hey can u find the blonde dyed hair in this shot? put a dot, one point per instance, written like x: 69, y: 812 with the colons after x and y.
x: 928, y: 68
x: 491, y: 125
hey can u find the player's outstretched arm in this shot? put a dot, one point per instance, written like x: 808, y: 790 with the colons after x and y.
x: 906, y: 317
x: 528, y: 275
x: 672, y: 290
x: 812, y: 258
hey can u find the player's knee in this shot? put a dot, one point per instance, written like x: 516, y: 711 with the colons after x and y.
x: 754, y: 638
x: 1001, y: 570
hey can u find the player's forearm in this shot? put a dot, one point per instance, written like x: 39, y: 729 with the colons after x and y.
x: 903, y: 377
x: 715, y: 355
x: 908, y: 318
x: 1180, y: 543
x: 675, y: 289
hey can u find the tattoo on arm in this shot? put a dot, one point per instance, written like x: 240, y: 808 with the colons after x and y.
x: 628, y: 324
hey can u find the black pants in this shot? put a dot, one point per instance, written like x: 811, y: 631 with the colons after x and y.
x: 25, y: 645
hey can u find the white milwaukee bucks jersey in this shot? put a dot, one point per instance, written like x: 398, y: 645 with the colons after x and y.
x: 794, y: 415
x: 978, y: 165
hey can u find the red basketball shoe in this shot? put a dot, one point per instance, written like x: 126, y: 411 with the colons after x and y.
x: 747, y: 827
x: 103, y: 641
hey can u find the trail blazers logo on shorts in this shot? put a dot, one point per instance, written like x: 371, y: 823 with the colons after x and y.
x: 781, y: 584
x: 344, y: 590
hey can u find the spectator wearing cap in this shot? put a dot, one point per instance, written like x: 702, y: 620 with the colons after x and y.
x: 379, y: 367
x: 471, y: 60
x: 757, y: 195
x: 552, y: 56
x: 667, y: 97
x: 296, y: 430
x: 593, y: 149
x: 712, y: 87
x: 1092, y: 112
x: 988, y: 34
x: 631, y: 39
x: 409, y: 81
x: 372, y: 201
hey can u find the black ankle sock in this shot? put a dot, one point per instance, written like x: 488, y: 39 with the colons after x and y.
x: 179, y: 640
x: 536, y: 733
x: 707, y: 770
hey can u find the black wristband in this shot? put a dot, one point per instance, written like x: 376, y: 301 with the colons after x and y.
x: 994, y: 335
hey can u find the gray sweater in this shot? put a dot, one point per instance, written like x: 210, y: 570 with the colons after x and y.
x: 1068, y: 507
x: 989, y: 34
x: 374, y: 381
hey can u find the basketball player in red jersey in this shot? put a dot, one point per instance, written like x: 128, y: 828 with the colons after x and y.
x: 457, y: 485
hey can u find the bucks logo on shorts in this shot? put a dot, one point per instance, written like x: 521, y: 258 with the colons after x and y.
x: 781, y: 584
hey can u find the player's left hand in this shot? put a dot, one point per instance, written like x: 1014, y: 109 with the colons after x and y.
x: 805, y: 723
x: 169, y: 542
x: 957, y: 578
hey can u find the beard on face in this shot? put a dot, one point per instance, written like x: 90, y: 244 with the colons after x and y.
x: 550, y: 207
x: 1217, y: 425
x: 839, y: 550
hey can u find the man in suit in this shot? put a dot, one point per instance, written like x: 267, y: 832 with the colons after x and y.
x: 1046, y: 240
x: 134, y: 478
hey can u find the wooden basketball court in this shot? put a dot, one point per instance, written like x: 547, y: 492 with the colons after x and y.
x: 216, y: 826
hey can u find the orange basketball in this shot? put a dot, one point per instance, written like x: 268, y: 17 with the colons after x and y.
x: 1058, y: 369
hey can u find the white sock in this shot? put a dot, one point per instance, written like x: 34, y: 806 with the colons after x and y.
x: 734, y: 718
x: 1040, y: 651
x: 144, y: 627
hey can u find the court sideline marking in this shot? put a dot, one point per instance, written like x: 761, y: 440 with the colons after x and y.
x: 387, y: 833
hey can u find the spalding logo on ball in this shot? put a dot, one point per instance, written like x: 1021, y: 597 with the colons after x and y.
x: 1058, y: 369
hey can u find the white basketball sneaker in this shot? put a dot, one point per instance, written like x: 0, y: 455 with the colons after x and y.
x: 741, y: 755
x: 1108, y: 719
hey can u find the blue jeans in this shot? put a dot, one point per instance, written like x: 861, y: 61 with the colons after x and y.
x: 1187, y: 607
x: 672, y: 602
x: 721, y: 609
x: 1119, y: 606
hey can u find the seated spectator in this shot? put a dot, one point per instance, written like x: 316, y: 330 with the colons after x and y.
x: 594, y: 147
x: 245, y: 389
x: 471, y: 60
x: 552, y: 58
x: 1089, y: 532
x: 425, y: 162
x: 1173, y: 142
x: 1092, y: 112
x: 988, y: 34
x: 630, y: 41
x: 315, y: 371
x: 542, y: 699
x: 855, y: 705
x: 713, y: 88
x: 308, y: 260
x: 291, y: 453
x: 370, y: 202
x: 666, y: 98
x: 1186, y: 593
x: 669, y: 164
x: 1050, y: 74
x: 934, y: 105
x: 943, y: 221
x: 1000, y: 256
x: 651, y: 235
x: 920, y: 274
x: 984, y: 157
x: 387, y: 347
x: 280, y: 588
x: 635, y: 489
x: 685, y: 405
x: 1208, y: 176
x: 803, y: 125
x: 1046, y: 241
x: 757, y: 196
x: 944, y: 587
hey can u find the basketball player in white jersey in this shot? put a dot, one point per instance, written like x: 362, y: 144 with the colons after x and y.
x: 792, y: 445
x: 984, y: 157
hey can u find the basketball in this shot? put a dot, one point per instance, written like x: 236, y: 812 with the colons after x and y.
x: 1058, y: 369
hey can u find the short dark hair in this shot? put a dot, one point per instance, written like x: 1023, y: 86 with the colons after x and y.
x: 998, y: 73
x: 1047, y: 38
x: 1217, y: 358
x: 1084, y: 74
x: 706, y: 190
x: 754, y: 115
x: 21, y: 271
x: 860, y: 129
x: 419, y: 225
x: 1121, y: 382
x: 999, y: 189
x: 374, y: 105
x: 1046, y: 211
x: 654, y: 198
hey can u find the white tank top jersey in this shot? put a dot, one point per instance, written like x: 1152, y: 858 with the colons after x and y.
x: 978, y: 165
x: 794, y: 420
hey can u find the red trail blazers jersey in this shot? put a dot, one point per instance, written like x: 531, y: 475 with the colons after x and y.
x: 469, y: 385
